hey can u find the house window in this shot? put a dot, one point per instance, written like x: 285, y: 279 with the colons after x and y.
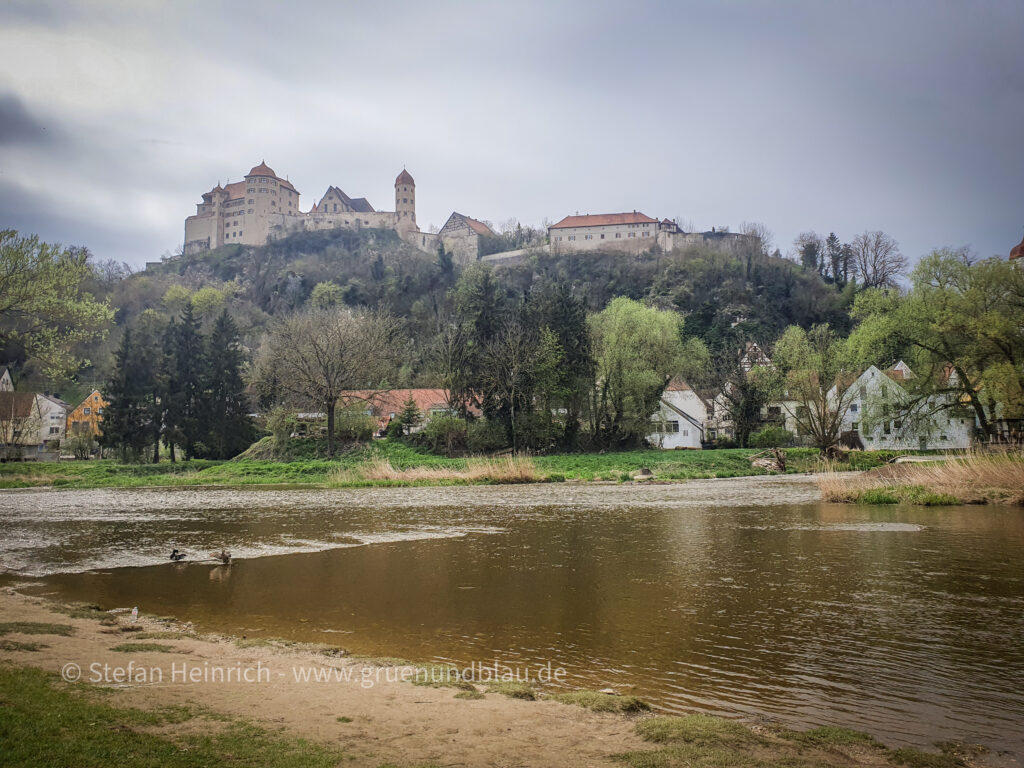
x: 54, y: 430
x: 87, y: 411
x: 686, y: 433
x: 863, y: 392
x: 853, y: 408
x: 671, y: 426
x: 856, y: 426
x: 887, y: 428
x: 99, y: 411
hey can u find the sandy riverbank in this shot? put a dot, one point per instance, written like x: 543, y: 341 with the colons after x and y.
x: 390, y: 722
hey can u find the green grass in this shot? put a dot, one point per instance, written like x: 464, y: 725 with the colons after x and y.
x: 146, y: 648
x: 603, y: 702
x: 832, y: 736
x: 166, y: 636
x: 909, y: 494
x: 14, y: 645
x: 307, y: 467
x: 46, y: 723
x: 343, y: 719
x: 513, y: 689
x: 35, y: 628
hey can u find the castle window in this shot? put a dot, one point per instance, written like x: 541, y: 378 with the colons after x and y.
x: 632, y: 234
x: 250, y: 190
x: 602, y: 237
x: 251, y: 202
x: 335, y: 207
x: 618, y: 235
x: 405, y: 200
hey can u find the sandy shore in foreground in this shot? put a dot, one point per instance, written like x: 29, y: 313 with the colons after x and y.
x: 391, y: 720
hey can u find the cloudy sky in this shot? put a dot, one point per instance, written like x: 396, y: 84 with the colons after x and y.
x: 835, y: 116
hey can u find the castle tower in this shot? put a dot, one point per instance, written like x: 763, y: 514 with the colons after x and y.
x: 405, y: 201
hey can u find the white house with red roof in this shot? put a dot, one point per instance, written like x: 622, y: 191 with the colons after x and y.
x: 635, y: 232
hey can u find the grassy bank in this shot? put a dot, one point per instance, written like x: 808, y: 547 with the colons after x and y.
x: 387, y: 462
x: 44, y: 721
x: 974, y: 479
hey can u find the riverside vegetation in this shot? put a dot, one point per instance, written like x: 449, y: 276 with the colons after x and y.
x: 390, y: 462
x: 969, y: 479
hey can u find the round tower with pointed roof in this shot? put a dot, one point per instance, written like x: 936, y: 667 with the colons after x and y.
x: 405, y: 200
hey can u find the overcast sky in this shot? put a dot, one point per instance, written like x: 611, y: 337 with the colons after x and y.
x: 834, y: 116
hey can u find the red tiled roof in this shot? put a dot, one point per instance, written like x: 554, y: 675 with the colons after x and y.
x: 235, y: 190
x: 265, y: 170
x: 262, y: 170
x: 604, y: 220
x: 404, y: 178
x: 479, y: 227
x: 1017, y: 252
x: 385, y: 402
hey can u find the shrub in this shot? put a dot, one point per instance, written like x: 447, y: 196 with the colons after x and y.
x: 282, y: 423
x: 354, y: 424
x: 771, y: 437
x: 444, y: 434
x: 484, y: 436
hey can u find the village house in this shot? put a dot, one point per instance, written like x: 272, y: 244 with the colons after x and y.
x: 634, y: 233
x: 87, y: 417
x: 884, y: 416
x: 386, y: 404
x: 680, y: 418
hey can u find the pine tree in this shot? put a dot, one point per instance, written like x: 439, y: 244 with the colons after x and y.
x: 167, y: 377
x: 190, y: 418
x: 410, y: 417
x: 229, y: 428
x: 125, y: 419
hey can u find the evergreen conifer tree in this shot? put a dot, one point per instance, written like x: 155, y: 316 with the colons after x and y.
x: 229, y: 428
x: 190, y: 365
x: 125, y: 419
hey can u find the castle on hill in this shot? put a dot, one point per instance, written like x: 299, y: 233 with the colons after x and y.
x: 264, y: 206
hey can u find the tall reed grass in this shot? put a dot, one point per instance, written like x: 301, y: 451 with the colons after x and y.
x: 504, y: 469
x: 969, y: 479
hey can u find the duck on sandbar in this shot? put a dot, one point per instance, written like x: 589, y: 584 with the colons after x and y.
x: 177, y: 556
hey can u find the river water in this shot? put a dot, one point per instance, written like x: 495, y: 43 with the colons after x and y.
x: 744, y: 596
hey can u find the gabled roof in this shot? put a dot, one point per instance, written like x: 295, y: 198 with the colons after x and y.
x: 58, y: 402
x: 88, y: 398
x: 16, y: 405
x: 477, y: 226
x: 405, y: 178
x: 604, y: 220
x: 678, y: 385
x: 361, y: 205
x: 358, y: 204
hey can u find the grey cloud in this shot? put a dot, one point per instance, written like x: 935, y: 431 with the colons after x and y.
x: 18, y: 126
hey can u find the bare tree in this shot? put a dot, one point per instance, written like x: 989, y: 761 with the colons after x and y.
x: 877, y: 259
x: 312, y: 357
x: 758, y: 230
x: 20, y: 423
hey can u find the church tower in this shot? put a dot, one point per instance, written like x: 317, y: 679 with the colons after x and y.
x: 405, y: 201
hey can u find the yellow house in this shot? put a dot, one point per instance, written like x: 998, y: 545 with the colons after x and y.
x: 88, y: 415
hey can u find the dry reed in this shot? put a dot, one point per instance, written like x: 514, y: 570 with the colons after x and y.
x: 504, y: 469
x: 967, y: 479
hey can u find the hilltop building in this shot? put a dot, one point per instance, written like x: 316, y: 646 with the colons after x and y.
x: 265, y: 206
x: 1017, y: 252
x: 634, y: 233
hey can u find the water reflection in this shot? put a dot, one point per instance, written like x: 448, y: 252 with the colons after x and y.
x: 739, y: 596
